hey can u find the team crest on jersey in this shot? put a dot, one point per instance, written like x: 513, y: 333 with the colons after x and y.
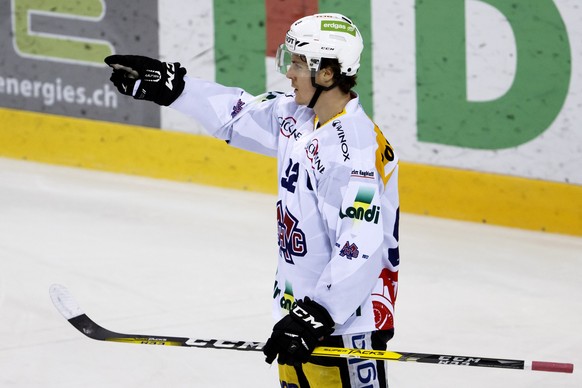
x: 292, y: 242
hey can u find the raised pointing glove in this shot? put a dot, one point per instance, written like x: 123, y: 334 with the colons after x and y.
x: 160, y: 82
x: 296, y: 335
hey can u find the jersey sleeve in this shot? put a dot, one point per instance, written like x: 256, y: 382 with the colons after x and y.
x: 362, y: 216
x: 231, y: 114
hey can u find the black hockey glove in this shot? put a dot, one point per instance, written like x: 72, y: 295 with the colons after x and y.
x: 160, y: 82
x: 296, y: 335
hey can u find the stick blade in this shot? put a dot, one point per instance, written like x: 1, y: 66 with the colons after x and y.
x: 64, y: 302
x: 559, y: 367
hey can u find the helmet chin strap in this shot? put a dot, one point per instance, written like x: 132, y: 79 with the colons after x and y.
x: 318, y: 89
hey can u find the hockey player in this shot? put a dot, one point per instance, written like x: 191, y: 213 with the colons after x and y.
x: 337, y: 205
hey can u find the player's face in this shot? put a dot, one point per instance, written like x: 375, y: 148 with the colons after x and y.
x: 300, y: 77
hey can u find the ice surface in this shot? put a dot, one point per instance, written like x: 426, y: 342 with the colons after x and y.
x: 156, y: 257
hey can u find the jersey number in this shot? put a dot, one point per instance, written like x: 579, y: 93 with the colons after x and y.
x: 291, y: 175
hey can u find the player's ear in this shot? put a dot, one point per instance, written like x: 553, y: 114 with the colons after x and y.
x: 326, y: 76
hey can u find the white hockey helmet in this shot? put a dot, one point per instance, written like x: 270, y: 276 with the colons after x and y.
x: 324, y: 35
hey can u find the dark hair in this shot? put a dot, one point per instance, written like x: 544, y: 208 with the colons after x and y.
x: 344, y: 82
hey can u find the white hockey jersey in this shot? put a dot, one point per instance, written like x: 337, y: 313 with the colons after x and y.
x: 337, y: 205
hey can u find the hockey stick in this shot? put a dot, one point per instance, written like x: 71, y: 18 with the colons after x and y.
x: 69, y: 309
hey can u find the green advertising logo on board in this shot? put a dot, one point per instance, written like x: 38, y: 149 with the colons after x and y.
x: 53, y: 53
x: 61, y: 47
x: 525, y: 111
